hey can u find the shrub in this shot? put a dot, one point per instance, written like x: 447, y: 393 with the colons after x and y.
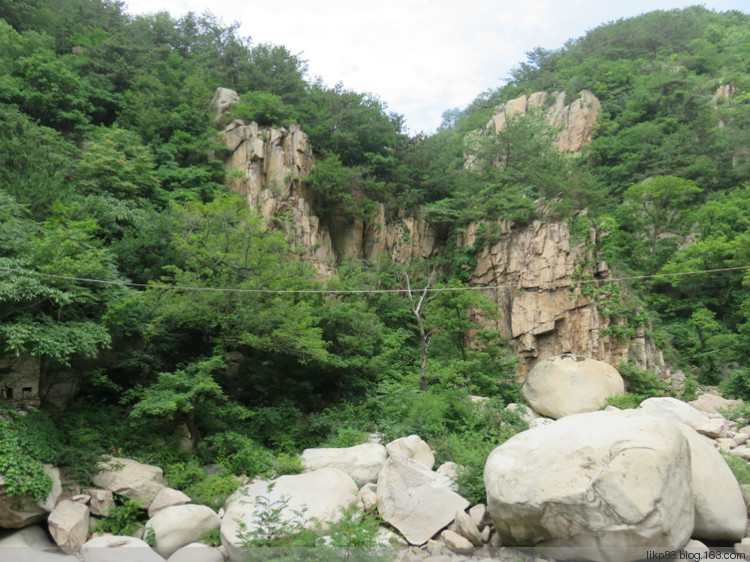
x: 625, y: 401
x: 205, y: 489
x: 645, y: 384
x: 739, y: 467
x: 124, y: 518
x: 738, y: 384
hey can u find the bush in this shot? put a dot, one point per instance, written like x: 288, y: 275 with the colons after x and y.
x: 205, y: 489
x: 642, y: 383
x: 124, y: 518
x: 739, y: 466
x: 625, y: 401
x: 738, y: 384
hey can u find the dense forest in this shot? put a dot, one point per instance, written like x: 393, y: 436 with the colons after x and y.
x: 110, y: 170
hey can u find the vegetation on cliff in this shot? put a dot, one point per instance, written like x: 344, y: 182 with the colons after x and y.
x: 109, y: 170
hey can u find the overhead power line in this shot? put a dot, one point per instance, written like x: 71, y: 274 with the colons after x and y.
x: 363, y: 291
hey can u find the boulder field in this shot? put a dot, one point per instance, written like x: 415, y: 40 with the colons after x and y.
x: 605, y: 485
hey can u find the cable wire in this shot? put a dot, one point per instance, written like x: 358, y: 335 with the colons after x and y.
x: 361, y: 291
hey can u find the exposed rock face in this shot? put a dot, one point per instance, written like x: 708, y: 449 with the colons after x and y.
x: 570, y: 384
x: 20, y: 378
x: 533, y: 264
x: 412, y: 447
x: 602, y: 481
x: 577, y: 119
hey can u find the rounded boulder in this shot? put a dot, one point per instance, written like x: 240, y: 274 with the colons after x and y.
x: 569, y: 384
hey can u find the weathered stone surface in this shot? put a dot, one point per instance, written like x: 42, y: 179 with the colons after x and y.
x: 713, y: 428
x: 709, y: 403
x: 577, y: 119
x: 362, y: 462
x: 180, y: 525
x: 130, y: 478
x: 69, y: 524
x: 31, y: 544
x: 223, y: 99
x: 101, y: 501
x: 523, y: 411
x: 117, y: 548
x: 167, y: 497
x: 456, y: 542
x: 415, y: 500
x: 369, y: 499
x: 20, y: 511
x: 321, y: 494
x: 449, y: 469
x: 196, y: 552
x: 720, y: 512
x: 673, y: 409
x: 602, y: 481
x: 19, y: 380
x: 478, y: 513
x: 570, y: 384
x: 412, y: 447
x: 466, y: 527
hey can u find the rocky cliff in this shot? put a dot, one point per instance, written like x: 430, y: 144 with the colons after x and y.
x: 531, y: 267
x: 575, y: 120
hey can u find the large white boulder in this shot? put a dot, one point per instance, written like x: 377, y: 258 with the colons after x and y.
x: 720, y: 512
x: 362, y: 462
x: 415, y: 500
x: 118, y: 548
x: 20, y: 511
x: 197, y: 552
x: 672, y: 409
x: 569, y: 384
x: 69, y: 524
x: 130, y: 478
x: 321, y: 495
x: 602, y: 485
x: 412, y: 447
x: 179, y: 525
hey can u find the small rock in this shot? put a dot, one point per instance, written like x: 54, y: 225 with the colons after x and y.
x: 467, y: 528
x: 167, y: 497
x: 709, y: 403
x: 523, y: 411
x: 81, y: 498
x: 449, y: 469
x: 485, y: 534
x: 741, y: 437
x: 713, y: 427
x: 101, y: 501
x: 495, y: 540
x: 369, y: 500
x: 478, y: 513
x: 726, y: 443
x: 412, y: 447
x: 456, y: 542
x: 696, y: 547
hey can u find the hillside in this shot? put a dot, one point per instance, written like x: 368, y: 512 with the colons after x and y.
x: 194, y: 282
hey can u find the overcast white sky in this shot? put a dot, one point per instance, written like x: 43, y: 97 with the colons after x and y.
x: 420, y: 57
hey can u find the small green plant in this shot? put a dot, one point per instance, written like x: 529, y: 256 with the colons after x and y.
x: 287, y: 463
x: 739, y: 466
x: 346, y: 437
x: 625, y: 401
x: 124, y: 518
x: 211, y: 538
x: 149, y: 537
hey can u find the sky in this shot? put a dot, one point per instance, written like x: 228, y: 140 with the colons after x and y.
x: 420, y: 57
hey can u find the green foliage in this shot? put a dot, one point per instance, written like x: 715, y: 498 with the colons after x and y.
x: 739, y: 467
x: 625, y: 401
x: 203, y: 488
x: 644, y: 384
x: 23, y: 472
x: 264, y: 108
x: 738, y: 384
x: 124, y: 518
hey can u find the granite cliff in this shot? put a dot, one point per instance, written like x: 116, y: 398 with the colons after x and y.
x: 532, y: 267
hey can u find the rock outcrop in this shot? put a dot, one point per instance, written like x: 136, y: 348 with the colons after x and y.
x: 362, y: 462
x: 126, y: 477
x: 576, y: 120
x: 532, y: 266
